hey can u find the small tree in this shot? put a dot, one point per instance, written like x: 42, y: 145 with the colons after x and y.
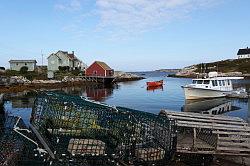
x: 24, y: 70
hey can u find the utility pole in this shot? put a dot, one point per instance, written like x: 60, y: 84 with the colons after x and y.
x: 42, y: 56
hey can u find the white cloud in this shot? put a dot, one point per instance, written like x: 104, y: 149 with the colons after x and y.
x: 70, y: 5
x: 131, y: 17
x: 142, y: 15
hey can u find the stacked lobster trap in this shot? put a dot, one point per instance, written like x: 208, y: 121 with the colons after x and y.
x: 77, y: 131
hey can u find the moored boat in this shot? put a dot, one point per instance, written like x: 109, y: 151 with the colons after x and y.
x: 210, y: 87
x: 153, y: 88
x: 155, y: 83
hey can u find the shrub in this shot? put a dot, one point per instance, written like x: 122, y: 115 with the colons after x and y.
x: 76, y: 72
x: 24, y: 70
x: 63, y: 68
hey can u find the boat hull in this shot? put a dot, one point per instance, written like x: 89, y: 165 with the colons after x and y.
x: 155, y: 83
x: 199, y: 93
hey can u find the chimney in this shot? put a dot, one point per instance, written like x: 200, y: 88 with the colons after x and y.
x: 73, y: 52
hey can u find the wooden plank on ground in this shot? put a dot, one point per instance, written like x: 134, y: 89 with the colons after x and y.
x: 233, y: 149
x: 232, y: 133
x: 220, y: 138
x: 212, y: 152
x: 197, y: 115
x: 213, y: 126
x: 233, y: 144
x: 208, y: 120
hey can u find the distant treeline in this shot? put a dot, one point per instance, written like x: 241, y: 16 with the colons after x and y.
x: 169, y: 70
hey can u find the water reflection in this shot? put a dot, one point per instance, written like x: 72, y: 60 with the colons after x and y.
x: 94, y: 92
x: 209, y: 106
x: 153, y: 88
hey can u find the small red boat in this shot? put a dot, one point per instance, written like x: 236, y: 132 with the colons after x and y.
x: 155, y: 83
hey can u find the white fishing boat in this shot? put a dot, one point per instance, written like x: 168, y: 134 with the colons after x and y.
x: 210, y: 87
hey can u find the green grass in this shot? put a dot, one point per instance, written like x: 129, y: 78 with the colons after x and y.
x: 30, y: 75
x: 230, y: 65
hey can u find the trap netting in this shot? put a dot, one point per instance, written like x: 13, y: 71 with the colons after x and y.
x: 76, y: 129
x: 15, y: 149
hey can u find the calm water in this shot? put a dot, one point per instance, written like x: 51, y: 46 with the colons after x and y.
x: 136, y: 95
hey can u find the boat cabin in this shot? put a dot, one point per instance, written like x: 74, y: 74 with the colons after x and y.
x: 218, y: 83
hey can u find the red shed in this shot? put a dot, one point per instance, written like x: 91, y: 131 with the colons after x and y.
x: 99, y: 69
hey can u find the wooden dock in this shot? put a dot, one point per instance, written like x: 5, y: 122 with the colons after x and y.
x: 210, y: 134
x: 97, y: 79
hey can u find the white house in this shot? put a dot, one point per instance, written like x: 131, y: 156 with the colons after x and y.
x: 243, y: 53
x: 63, y: 58
x: 18, y: 64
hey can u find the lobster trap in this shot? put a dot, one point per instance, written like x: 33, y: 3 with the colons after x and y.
x: 75, y: 130
x: 15, y: 149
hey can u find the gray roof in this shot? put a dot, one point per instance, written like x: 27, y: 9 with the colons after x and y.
x: 24, y: 61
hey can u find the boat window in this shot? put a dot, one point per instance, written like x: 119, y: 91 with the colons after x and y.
x: 199, y: 81
x: 219, y: 82
x: 194, y: 81
x: 223, y: 82
x: 206, y: 82
x: 214, y: 82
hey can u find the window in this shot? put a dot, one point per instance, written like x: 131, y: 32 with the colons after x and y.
x: 199, y: 82
x: 17, y: 64
x: 25, y: 64
x: 194, y: 81
x: 213, y: 82
x: 220, y: 82
x: 223, y: 82
x: 228, y: 82
x: 206, y: 82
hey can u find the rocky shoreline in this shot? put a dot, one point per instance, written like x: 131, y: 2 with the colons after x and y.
x: 19, y: 83
x: 189, y: 72
x: 124, y: 77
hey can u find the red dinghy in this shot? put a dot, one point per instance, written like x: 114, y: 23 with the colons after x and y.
x: 155, y: 83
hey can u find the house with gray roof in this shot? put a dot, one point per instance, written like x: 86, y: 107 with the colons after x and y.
x: 243, y: 53
x: 63, y: 59
x: 18, y: 64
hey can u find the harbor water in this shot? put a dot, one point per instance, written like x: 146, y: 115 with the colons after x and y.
x: 136, y: 95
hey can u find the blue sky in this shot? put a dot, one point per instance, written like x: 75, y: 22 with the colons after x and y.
x: 130, y: 35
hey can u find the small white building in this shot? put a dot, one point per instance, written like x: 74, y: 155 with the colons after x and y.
x: 18, y: 64
x: 243, y: 53
x: 63, y: 58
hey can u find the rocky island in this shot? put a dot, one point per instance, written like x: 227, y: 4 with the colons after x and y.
x: 230, y: 67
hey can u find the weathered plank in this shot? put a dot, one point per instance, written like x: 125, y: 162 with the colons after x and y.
x: 233, y: 149
x: 232, y: 133
x: 229, y: 135
x: 233, y: 139
x: 239, y: 123
x: 202, y: 116
x: 233, y: 144
x: 213, y: 126
x: 220, y: 153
